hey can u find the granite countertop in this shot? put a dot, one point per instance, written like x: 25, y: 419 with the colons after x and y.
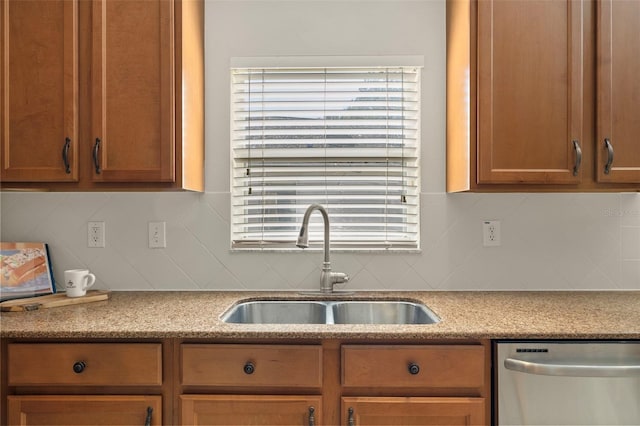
x: 476, y: 315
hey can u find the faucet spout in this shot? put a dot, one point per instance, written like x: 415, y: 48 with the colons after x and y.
x: 327, y: 278
x: 303, y: 237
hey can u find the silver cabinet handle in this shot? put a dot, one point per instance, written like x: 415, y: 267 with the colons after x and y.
x: 312, y: 417
x: 96, y: 151
x: 350, y: 419
x: 607, y: 167
x: 147, y: 421
x: 65, y: 155
x: 555, y: 368
x: 576, y: 167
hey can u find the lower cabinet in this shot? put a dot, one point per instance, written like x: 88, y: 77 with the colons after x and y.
x: 68, y: 410
x: 422, y: 385
x: 250, y: 410
x: 204, y: 382
x: 409, y: 411
x: 334, y: 382
x: 82, y: 383
x: 262, y: 384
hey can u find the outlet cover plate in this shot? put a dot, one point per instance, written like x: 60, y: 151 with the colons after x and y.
x: 95, y: 234
x: 491, y: 233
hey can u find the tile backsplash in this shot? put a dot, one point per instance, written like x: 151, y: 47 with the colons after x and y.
x: 549, y: 242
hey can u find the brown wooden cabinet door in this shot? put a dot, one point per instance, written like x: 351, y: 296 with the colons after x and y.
x: 133, y: 91
x: 39, y: 90
x: 618, y: 103
x: 530, y: 89
x: 250, y: 410
x: 71, y: 410
x: 418, y: 411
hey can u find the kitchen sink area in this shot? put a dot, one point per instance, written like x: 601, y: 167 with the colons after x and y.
x: 330, y: 312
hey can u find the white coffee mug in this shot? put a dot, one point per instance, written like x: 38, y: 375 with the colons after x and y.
x: 77, y: 281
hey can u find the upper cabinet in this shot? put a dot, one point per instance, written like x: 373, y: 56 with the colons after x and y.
x: 39, y: 91
x: 133, y: 92
x: 103, y: 95
x: 618, y: 91
x: 522, y: 98
x: 529, y: 91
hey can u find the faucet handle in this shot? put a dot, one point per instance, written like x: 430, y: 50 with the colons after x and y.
x: 339, y: 277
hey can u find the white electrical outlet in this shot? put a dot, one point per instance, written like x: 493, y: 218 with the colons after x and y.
x: 491, y: 233
x: 95, y: 234
x: 157, y: 235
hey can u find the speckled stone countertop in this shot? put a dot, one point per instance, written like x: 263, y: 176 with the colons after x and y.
x: 476, y: 315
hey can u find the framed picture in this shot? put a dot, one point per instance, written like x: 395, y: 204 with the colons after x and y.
x: 25, y: 270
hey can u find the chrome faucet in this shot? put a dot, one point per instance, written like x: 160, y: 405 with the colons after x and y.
x: 327, y: 278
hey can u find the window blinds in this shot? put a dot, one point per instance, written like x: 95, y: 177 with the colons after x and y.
x: 346, y: 138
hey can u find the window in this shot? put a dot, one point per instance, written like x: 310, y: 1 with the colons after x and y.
x: 345, y: 138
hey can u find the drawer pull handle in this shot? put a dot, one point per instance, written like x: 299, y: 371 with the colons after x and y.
x: 147, y: 422
x: 96, y: 151
x: 350, y: 420
x: 312, y: 417
x: 576, y: 167
x: 65, y: 155
x: 78, y: 367
x: 249, y: 368
x: 414, y: 368
x: 609, y: 147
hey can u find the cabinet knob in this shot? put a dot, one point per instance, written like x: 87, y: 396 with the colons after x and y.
x: 78, y: 367
x: 414, y: 368
x: 249, y: 368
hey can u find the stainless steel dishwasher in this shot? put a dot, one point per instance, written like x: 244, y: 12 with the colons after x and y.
x: 568, y: 383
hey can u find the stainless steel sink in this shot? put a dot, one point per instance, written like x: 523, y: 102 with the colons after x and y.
x: 277, y: 312
x: 382, y: 312
x: 330, y: 312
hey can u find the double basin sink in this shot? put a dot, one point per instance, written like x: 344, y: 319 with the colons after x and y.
x: 330, y: 312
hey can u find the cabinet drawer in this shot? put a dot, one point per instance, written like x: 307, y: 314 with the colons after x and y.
x: 419, y: 366
x: 88, y: 364
x: 291, y: 366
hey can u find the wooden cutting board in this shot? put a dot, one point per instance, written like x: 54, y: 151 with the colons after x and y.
x: 52, y: 301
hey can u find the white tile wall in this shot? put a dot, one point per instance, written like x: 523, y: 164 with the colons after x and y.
x: 549, y: 241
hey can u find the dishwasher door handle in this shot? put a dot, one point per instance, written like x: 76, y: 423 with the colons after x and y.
x: 551, y: 368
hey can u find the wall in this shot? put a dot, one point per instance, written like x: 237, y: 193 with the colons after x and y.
x: 549, y: 241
